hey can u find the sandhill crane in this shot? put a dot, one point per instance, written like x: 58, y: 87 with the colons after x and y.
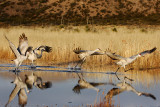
x: 19, y: 89
x: 33, y: 79
x: 33, y: 55
x: 19, y: 57
x: 124, y: 86
x: 123, y: 61
x: 82, y: 54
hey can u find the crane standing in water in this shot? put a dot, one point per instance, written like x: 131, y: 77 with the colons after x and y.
x: 19, y: 57
x: 33, y: 54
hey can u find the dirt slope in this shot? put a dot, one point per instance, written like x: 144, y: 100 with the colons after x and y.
x: 80, y: 11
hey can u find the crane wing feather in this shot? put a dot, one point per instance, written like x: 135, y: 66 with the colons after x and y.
x: 23, y: 44
x: 144, y: 52
x: 148, y: 51
x: 97, y: 53
x: 114, y: 56
x: 45, y: 48
x: 78, y: 50
x: 13, y: 48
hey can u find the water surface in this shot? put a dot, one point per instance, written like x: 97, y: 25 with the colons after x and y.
x: 95, y: 87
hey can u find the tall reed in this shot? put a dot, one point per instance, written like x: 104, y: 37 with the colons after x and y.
x: 126, y: 41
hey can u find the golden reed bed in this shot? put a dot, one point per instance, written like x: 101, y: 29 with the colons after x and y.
x: 124, y: 40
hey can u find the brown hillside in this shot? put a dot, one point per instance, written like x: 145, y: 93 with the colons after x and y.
x: 80, y: 11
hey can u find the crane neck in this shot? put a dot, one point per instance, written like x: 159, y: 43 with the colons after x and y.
x: 39, y: 55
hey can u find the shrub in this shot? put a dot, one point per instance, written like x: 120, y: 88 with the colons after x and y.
x: 114, y: 30
x: 73, y: 4
x: 76, y: 30
x: 61, y: 26
x: 43, y: 1
x: 87, y: 28
x: 144, y: 30
x: 103, y: 10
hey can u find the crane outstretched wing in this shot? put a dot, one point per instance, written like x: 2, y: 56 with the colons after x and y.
x: 23, y: 44
x: 147, y: 51
x: 78, y: 50
x: 113, y: 55
x: 98, y: 53
x: 144, y: 52
x: 13, y: 48
x: 45, y: 48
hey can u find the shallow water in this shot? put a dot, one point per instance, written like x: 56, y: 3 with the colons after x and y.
x: 95, y: 86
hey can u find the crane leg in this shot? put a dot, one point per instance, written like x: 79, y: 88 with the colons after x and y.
x: 32, y: 65
x: 125, y: 70
x: 117, y: 69
x: 77, y: 63
x: 16, y: 71
x: 81, y: 62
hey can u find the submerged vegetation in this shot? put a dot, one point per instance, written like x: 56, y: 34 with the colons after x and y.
x: 124, y: 40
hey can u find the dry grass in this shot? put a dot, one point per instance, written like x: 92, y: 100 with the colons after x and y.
x: 127, y: 41
x: 105, y: 102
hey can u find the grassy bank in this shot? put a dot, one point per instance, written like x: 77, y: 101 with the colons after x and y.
x: 124, y: 40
